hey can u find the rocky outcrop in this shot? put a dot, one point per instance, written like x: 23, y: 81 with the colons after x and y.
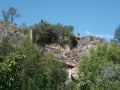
x: 72, y: 57
x: 10, y: 31
x: 91, y: 40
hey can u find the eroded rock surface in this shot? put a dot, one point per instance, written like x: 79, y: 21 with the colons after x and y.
x: 10, y: 31
x: 72, y: 57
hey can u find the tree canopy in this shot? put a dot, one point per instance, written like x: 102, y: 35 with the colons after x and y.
x: 100, y: 69
x: 47, y: 33
x: 116, y: 37
x: 10, y: 14
x: 27, y: 69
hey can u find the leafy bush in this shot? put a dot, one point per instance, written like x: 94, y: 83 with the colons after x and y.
x: 10, y: 72
x: 27, y: 69
x: 50, y: 75
x: 46, y: 33
x: 5, y: 47
x: 73, y: 41
x: 39, y: 72
x: 100, y: 69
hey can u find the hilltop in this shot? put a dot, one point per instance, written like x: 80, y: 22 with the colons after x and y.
x: 10, y: 31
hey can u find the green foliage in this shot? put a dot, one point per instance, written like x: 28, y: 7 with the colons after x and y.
x: 50, y: 75
x: 64, y: 33
x: 10, y: 72
x: 73, y: 41
x: 13, y: 13
x: 43, y: 33
x: 46, y: 33
x: 32, y: 56
x: 10, y: 14
x: 55, y: 72
x: 116, y: 35
x: 5, y: 47
x: 5, y: 15
x: 38, y: 72
x: 25, y: 28
x: 100, y: 69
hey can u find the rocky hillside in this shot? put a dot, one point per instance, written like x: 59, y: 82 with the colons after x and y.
x: 72, y: 57
x: 11, y: 31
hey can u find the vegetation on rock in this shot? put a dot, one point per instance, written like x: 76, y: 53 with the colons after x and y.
x: 46, y: 33
x: 99, y: 70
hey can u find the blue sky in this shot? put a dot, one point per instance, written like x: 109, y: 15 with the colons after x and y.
x: 89, y: 17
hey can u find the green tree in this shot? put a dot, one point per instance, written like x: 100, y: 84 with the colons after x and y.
x: 117, y: 35
x: 43, y: 33
x: 29, y: 65
x: 13, y: 13
x: 39, y: 72
x: 46, y: 33
x: 10, y: 72
x: 26, y: 69
x: 5, y: 15
x: 64, y: 33
x: 100, y: 69
x: 10, y: 14
x: 50, y: 75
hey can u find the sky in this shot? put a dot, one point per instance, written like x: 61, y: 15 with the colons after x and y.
x: 88, y: 17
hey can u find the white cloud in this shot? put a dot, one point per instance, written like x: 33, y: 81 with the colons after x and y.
x: 106, y: 36
x: 89, y: 33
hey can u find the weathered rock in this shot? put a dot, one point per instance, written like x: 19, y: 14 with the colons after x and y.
x: 11, y: 31
x: 74, y: 72
x: 72, y: 57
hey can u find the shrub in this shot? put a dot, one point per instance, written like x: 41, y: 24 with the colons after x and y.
x: 50, y: 75
x: 5, y: 47
x: 40, y: 72
x: 100, y: 69
x: 10, y: 72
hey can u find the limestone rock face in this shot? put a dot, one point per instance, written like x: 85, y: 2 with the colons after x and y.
x: 72, y: 57
x: 10, y: 31
x: 91, y: 40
